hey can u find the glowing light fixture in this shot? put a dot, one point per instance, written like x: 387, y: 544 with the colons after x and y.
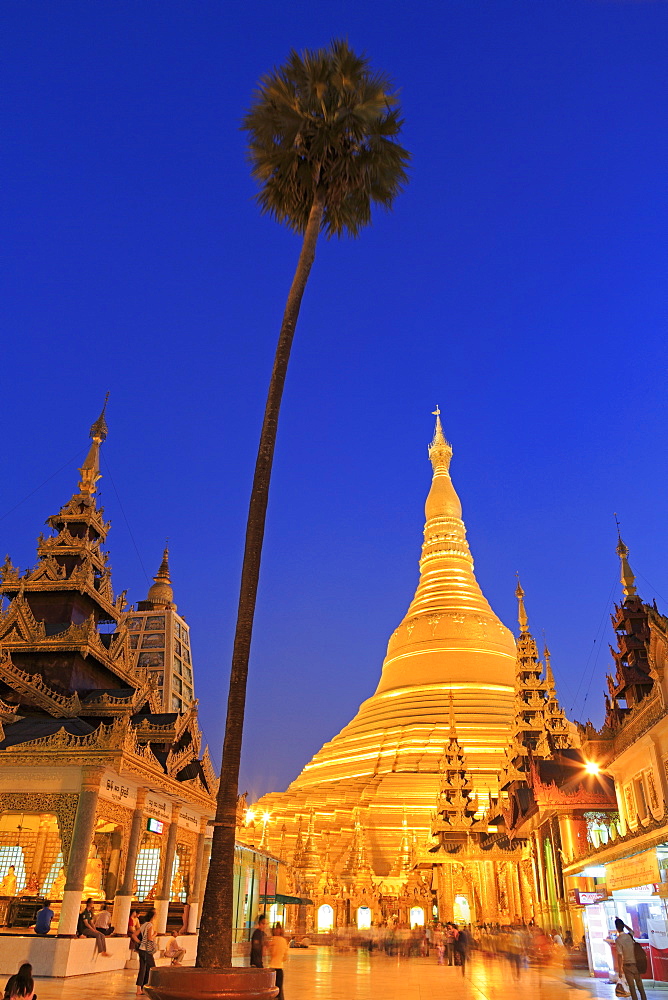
x: 592, y: 767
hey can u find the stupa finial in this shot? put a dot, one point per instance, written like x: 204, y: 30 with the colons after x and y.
x: 521, y: 610
x: 440, y: 451
x: 90, y: 470
x: 627, y: 577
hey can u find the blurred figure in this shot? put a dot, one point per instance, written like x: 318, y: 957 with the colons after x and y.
x: 278, y: 954
x: 439, y: 942
x: 461, y: 946
x: 626, y: 950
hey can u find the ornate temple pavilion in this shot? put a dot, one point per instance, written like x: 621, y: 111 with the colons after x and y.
x: 104, y: 792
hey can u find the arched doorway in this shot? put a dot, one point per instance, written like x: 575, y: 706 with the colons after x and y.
x: 325, y: 918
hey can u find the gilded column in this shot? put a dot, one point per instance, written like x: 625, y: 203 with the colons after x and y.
x: 543, y: 905
x: 82, y: 838
x: 124, y: 894
x: 514, y: 881
x: 164, y: 892
x: 493, y: 896
x: 199, y: 881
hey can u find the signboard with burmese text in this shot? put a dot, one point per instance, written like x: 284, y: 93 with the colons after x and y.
x: 642, y: 869
x: 158, y: 806
x: 189, y: 820
x: 117, y: 789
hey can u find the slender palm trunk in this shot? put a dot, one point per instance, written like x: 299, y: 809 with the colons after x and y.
x: 215, y: 941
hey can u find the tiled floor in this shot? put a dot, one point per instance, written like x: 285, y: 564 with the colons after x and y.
x: 320, y: 974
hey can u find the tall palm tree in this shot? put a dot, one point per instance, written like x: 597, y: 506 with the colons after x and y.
x: 322, y: 133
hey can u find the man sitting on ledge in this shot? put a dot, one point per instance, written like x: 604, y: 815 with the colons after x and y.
x: 44, y: 918
x: 85, y: 928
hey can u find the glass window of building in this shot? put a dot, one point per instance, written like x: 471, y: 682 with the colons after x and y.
x: 176, y: 703
x: 155, y: 622
x: 177, y: 665
x: 154, y: 659
x: 153, y: 640
x: 177, y: 647
x: 134, y: 624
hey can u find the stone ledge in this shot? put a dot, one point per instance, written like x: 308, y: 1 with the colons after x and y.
x: 64, y: 957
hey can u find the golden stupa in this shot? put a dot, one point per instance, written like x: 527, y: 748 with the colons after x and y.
x: 385, y: 763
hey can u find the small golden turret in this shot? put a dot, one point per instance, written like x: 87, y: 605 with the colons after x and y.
x: 521, y: 610
x: 161, y: 592
x: 90, y: 470
x: 627, y: 576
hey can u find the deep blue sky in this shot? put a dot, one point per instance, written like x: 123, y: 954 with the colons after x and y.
x: 520, y: 283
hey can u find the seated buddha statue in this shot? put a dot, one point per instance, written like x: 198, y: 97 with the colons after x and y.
x: 93, y: 879
x: 58, y: 888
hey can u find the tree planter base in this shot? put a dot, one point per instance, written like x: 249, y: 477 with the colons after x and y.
x: 173, y: 983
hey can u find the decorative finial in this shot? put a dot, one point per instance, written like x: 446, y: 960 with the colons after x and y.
x: 161, y: 591
x: 521, y: 610
x: 440, y: 451
x: 549, y: 676
x: 90, y: 470
x: 628, y: 580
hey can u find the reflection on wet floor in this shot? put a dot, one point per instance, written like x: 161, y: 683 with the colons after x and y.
x: 322, y: 974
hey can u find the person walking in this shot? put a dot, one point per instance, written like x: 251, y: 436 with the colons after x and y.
x: 147, y: 946
x: 21, y: 985
x: 257, y: 943
x: 43, y: 919
x: 278, y: 954
x: 462, y: 942
x: 86, y: 928
x: 625, y: 946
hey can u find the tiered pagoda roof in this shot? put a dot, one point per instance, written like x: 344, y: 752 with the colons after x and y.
x: 67, y: 673
x: 456, y: 804
x: 633, y: 680
x: 540, y: 726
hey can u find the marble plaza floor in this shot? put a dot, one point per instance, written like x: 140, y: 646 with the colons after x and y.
x: 321, y: 974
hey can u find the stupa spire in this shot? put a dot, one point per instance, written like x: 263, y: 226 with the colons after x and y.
x: 90, y: 470
x: 627, y: 576
x: 522, y: 616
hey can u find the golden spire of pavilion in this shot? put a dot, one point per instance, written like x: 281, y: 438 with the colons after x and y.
x: 549, y: 676
x: 628, y: 579
x: 453, y: 729
x: 90, y: 470
x: 161, y: 591
x: 521, y: 610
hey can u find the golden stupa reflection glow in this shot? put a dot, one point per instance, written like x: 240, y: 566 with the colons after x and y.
x: 450, y: 643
